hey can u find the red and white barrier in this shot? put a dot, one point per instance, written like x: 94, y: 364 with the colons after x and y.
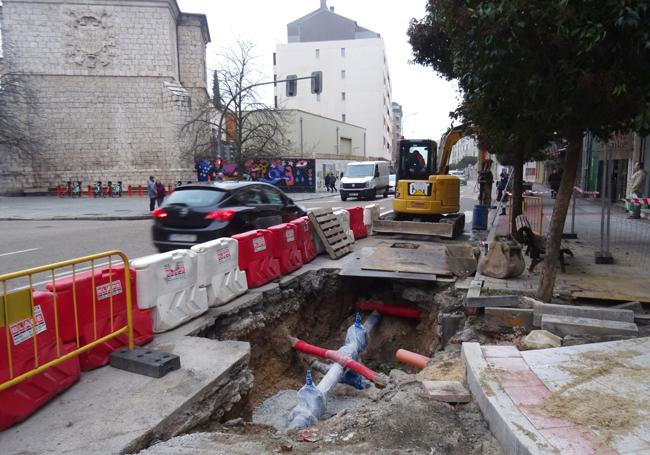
x: 218, y: 270
x: 305, y: 239
x: 356, y: 222
x: 168, y: 284
x: 344, y: 220
x: 256, y: 257
x: 638, y: 200
x: 285, y: 247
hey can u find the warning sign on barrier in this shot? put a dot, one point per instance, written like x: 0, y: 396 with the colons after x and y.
x: 104, y: 291
x: 223, y: 255
x: 174, y: 272
x: 259, y: 244
x: 290, y: 235
x: 22, y: 330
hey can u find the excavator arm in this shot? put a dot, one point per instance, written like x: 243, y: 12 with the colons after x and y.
x: 448, y: 141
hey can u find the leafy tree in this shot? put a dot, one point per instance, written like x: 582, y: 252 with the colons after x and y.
x: 546, y: 68
x: 464, y: 162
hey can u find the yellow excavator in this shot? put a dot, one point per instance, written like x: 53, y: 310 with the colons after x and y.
x: 427, y: 200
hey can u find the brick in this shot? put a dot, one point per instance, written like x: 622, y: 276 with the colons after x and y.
x: 578, y: 326
x: 509, y: 318
x: 492, y: 301
x: 609, y: 314
x: 447, y: 391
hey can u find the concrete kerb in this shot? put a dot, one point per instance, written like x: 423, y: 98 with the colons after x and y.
x: 513, y: 430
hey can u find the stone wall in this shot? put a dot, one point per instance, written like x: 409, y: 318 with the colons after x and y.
x: 108, y: 101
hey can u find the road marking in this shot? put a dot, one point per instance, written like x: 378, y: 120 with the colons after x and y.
x: 18, y: 252
x: 385, y: 213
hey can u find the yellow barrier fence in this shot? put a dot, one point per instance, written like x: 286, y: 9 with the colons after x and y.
x: 17, y: 308
x: 533, y: 208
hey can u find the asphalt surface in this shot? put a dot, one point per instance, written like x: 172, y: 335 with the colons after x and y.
x: 26, y: 244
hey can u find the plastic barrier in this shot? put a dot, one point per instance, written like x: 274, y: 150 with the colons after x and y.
x: 97, y: 295
x: 285, y: 247
x: 23, y: 399
x: 344, y: 220
x: 256, y: 257
x: 371, y: 212
x: 168, y: 284
x: 305, y: 239
x: 356, y: 222
x: 218, y: 270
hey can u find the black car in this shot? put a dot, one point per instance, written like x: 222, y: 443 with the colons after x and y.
x: 200, y: 212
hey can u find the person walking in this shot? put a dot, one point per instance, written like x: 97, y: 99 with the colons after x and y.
x: 160, y: 192
x: 485, y: 181
x: 151, y: 192
x: 333, y: 182
x: 501, y: 185
x: 637, y: 185
x: 327, y: 182
x: 554, y: 181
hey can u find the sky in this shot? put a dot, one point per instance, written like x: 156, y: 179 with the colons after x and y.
x: 426, y: 98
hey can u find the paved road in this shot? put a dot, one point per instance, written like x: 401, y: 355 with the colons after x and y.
x: 25, y: 244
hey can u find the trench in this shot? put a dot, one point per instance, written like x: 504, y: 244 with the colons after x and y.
x: 318, y: 307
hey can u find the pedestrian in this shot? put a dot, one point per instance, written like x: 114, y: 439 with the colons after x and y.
x: 333, y: 182
x: 151, y: 192
x: 637, y: 185
x: 501, y: 185
x: 160, y: 192
x: 554, y: 181
x: 485, y: 181
x: 327, y: 182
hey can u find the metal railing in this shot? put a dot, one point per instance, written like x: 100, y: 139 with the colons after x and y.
x: 533, y: 208
x: 17, y: 306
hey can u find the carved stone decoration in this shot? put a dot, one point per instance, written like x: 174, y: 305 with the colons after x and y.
x: 90, y: 38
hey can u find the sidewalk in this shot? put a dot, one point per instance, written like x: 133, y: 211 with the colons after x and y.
x: 41, y: 208
x: 625, y: 280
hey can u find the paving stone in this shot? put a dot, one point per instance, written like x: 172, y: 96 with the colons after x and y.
x: 577, y: 326
x: 608, y: 314
x: 509, y: 318
x: 447, y: 391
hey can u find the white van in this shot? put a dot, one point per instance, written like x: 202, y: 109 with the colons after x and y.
x: 365, y: 179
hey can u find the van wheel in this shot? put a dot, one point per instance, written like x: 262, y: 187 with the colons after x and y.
x: 344, y: 197
x: 373, y: 195
x: 386, y: 193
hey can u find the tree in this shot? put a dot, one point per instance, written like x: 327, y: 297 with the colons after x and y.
x: 16, y: 105
x: 464, y: 162
x: 253, y: 129
x: 548, y: 67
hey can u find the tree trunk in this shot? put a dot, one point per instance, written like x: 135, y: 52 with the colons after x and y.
x: 517, y: 189
x: 556, y: 228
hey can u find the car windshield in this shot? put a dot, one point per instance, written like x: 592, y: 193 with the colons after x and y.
x: 195, y: 197
x: 360, y: 170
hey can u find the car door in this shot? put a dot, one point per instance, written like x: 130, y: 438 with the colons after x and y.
x: 285, y: 207
x: 252, y: 208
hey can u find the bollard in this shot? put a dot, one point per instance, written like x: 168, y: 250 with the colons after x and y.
x: 169, y: 189
x: 139, y: 190
x: 90, y: 191
x: 130, y: 191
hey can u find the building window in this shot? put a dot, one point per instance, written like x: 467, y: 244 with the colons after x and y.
x: 343, y: 117
x: 274, y: 59
x: 317, y: 53
x: 342, y: 96
x: 342, y: 52
x: 342, y: 74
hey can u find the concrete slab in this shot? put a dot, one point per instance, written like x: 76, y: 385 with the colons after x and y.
x: 447, y: 391
x: 111, y: 411
x: 492, y: 301
x: 634, y: 306
x: 608, y: 314
x: 509, y: 318
x: 569, y: 325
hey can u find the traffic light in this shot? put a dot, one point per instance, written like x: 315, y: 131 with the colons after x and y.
x: 317, y: 82
x: 292, y: 85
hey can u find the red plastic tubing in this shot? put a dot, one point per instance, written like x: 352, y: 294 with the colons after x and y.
x: 390, y: 310
x: 337, y: 357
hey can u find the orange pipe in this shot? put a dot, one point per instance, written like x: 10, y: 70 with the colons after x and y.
x: 412, y: 358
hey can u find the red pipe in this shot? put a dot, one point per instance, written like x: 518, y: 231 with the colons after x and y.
x: 378, y: 379
x: 389, y: 310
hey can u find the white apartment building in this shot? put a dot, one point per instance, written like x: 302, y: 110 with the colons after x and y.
x: 467, y: 146
x: 356, y: 80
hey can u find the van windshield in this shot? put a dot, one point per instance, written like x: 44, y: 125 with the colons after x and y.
x: 360, y: 170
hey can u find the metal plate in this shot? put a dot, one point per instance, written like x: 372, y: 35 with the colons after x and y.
x: 407, y: 260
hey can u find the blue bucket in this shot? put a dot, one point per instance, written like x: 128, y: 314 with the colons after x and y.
x: 480, y: 217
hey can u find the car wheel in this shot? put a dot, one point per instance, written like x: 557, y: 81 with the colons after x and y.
x: 344, y: 197
x: 372, y: 195
x: 386, y: 193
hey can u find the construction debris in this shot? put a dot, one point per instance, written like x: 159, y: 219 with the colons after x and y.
x: 605, y: 314
x: 541, y: 339
x: 447, y: 391
x: 509, y: 318
x: 578, y: 326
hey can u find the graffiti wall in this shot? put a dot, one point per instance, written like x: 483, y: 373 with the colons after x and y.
x: 290, y: 175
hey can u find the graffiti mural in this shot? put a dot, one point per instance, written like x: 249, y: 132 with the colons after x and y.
x: 290, y: 175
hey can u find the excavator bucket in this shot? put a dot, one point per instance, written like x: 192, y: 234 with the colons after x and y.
x: 449, y: 227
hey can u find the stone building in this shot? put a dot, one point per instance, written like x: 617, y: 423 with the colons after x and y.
x: 112, y: 81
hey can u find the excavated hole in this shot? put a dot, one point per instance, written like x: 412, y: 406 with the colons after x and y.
x: 318, y: 308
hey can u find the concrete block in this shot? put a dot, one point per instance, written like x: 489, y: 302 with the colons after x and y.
x: 578, y: 326
x: 147, y: 362
x: 448, y: 325
x: 541, y: 339
x: 509, y: 318
x: 634, y: 306
x: 605, y: 314
x: 447, y: 391
x: 492, y: 301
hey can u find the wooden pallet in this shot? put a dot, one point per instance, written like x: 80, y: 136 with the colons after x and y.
x: 330, y: 232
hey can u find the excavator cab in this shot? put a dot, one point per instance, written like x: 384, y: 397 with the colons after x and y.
x: 417, y: 159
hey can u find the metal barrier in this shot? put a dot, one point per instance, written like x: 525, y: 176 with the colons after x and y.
x: 533, y: 208
x: 22, y: 310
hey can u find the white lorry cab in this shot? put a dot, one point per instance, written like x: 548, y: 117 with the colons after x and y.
x: 365, y: 179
